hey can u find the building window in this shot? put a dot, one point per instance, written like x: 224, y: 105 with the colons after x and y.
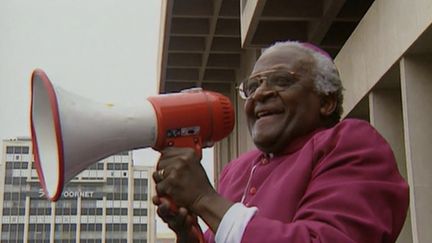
x: 140, y: 228
x: 116, y: 211
x: 39, y: 232
x: 117, y: 166
x: 140, y: 212
x: 25, y: 150
x: 9, y: 150
x: 17, y: 149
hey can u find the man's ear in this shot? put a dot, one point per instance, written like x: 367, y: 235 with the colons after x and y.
x: 328, y: 104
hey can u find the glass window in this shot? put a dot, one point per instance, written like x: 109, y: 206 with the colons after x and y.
x: 9, y: 149
x: 18, y: 150
x: 17, y: 165
x: 140, y: 196
x: 6, y: 211
x: 139, y: 227
x: 140, y: 212
x: 8, y: 180
x: 110, y: 166
x: 139, y: 241
x: 25, y: 150
x: 9, y: 165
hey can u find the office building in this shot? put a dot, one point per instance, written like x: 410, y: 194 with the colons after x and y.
x: 108, y: 202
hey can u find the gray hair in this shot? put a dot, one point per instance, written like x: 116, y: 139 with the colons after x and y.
x: 327, y: 80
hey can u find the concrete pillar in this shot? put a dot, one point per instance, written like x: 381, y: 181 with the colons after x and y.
x: 416, y: 86
x: 385, y: 108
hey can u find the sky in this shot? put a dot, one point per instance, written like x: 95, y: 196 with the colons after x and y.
x: 105, y: 50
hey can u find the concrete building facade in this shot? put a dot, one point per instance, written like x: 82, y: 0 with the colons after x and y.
x: 108, y: 202
x: 383, y: 49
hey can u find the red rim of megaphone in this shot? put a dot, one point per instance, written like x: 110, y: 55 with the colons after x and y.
x: 49, y: 88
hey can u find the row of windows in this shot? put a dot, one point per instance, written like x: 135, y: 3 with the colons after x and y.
x: 66, y: 211
x: 116, y: 241
x: 91, y: 211
x: 117, y: 181
x: 91, y: 227
x: 40, y: 211
x: 140, y: 184
x: 12, y: 227
x: 21, y: 196
x: 39, y: 236
x: 17, y: 149
x: 140, y: 196
x: 140, y: 228
x: 116, y: 227
x: 97, y: 166
x: 72, y: 227
x: 90, y: 241
x: 116, y: 211
x: 65, y: 227
x: 140, y: 211
x: 73, y: 211
x: 117, y: 166
x: 9, y: 180
x: 117, y: 196
x: 16, y: 165
x: 63, y: 237
x: 11, y: 237
x: 39, y: 227
x: 14, y: 196
x: 13, y: 211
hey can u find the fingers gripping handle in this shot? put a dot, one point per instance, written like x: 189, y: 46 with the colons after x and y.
x: 196, y: 229
x: 195, y: 143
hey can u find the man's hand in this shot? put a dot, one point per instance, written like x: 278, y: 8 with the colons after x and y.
x: 181, y: 221
x: 181, y: 177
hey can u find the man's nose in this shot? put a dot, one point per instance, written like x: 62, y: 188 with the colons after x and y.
x: 264, y: 91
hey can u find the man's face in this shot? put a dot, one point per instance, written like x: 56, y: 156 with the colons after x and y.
x: 277, y: 117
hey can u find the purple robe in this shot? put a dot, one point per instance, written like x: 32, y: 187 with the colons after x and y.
x: 336, y: 185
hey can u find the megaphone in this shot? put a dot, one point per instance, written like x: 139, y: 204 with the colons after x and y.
x: 70, y: 132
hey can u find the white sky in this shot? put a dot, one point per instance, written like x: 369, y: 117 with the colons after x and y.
x: 105, y: 50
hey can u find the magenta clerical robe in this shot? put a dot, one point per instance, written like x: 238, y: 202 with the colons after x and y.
x: 336, y: 185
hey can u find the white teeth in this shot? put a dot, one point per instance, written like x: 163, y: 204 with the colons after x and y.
x: 262, y: 113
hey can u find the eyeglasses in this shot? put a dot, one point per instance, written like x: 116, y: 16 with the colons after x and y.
x: 275, y: 80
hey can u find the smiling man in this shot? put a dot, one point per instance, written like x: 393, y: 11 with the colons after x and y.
x: 312, y: 177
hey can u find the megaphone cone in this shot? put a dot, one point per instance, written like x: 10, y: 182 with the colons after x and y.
x: 70, y: 132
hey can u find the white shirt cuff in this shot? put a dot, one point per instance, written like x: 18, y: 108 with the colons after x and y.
x: 234, y: 223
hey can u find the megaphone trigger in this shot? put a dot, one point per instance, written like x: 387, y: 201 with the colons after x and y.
x: 187, y: 142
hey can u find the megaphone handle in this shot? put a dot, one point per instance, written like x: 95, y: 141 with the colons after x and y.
x: 195, y: 143
x: 196, y: 229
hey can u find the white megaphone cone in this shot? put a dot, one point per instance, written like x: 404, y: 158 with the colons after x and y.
x: 70, y: 132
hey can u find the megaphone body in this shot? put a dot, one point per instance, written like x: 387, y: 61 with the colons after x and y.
x: 69, y: 132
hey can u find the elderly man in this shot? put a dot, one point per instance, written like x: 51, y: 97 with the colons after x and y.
x: 311, y: 178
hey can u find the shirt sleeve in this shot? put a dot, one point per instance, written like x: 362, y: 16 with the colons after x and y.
x: 233, y: 223
x: 355, y: 194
